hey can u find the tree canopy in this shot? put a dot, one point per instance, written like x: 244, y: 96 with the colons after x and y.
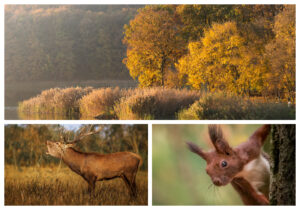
x: 227, y: 48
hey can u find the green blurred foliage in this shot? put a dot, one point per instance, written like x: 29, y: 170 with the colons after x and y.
x: 25, y: 145
x: 179, y: 176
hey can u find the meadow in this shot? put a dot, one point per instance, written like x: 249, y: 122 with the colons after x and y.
x: 60, y: 186
x: 149, y: 104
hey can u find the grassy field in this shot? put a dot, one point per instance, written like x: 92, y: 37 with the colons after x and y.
x: 60, y: 186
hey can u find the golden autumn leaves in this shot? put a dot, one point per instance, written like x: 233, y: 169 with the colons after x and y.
x: 233, y: 56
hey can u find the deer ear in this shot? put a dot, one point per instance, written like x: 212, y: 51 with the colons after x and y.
x: 250, y: 149
x: 195, y: 149
x: 218, y: 140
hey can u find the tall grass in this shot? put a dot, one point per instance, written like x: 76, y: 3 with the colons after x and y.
x: 100, y: 102
x: 149, y: 103
x: 55, y: 100
x: 154, y: 103
x: 229, y: 107
x: 61, y: 186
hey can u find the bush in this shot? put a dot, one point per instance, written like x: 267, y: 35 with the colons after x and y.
x: 228, y: 107
x: 154, y: 103
x: 55, y: 100
x: 100, y: 102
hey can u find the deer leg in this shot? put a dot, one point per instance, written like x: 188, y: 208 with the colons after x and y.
x: 248, y: 194
x: 91, y: 183
x: 126, y: 182
x: 131, y: 179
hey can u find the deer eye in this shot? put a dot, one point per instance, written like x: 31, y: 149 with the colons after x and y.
x: 223, y: 163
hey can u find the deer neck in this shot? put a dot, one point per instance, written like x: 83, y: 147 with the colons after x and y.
x: 73, y: 159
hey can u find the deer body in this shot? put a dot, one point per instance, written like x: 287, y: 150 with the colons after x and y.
x: 96, y: 167
x: 245, y: 166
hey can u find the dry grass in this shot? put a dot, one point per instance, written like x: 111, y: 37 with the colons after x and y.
x: 154, y: 103
x: 228, y: 107
x: 55, y: 100
x: 61, y: 186
x: 149, y: 103
x: 100, y: 102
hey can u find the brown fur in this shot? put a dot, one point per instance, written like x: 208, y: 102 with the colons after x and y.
x: 236, y: 161
x: 96, y: 167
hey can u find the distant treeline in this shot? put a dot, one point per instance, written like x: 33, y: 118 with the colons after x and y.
x: 65, y: 42
x: 25, y: 145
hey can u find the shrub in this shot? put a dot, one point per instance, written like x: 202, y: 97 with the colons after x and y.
x: 228, y: 107
x: 100, y: 102
x: 55, y: 100
x: 154, y: 103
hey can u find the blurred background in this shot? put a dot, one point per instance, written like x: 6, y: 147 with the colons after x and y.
x: 179, y: 176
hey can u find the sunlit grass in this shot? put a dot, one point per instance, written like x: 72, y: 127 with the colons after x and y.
x: 155, y: 103
x: 100, y: 102
x: 60, y: 186
x: 55, y: 100
x: 230, y: 107
x: 149, y: 104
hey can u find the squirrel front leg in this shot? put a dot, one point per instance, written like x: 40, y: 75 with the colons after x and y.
x: 247, y: 192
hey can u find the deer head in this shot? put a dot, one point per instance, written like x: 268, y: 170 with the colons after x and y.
x: 225, y: 162
x: 57, y: 149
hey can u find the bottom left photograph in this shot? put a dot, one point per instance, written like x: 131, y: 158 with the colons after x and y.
x: 76, y: 164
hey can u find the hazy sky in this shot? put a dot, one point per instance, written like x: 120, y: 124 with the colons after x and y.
x: 71, y: 126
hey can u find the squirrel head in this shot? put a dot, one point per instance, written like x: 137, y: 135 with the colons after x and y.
x: 225, y: 162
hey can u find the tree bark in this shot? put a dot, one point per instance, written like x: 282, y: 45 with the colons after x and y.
x: 282, y: 188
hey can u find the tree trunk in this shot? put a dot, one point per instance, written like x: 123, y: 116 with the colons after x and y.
x: 282, y: 189
x: 162, y: 69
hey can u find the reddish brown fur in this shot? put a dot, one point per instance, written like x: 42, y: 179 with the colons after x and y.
x: 236, y: 159
x: 95, y: 167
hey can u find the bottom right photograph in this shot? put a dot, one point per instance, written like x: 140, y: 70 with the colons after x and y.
x: 240, y: 164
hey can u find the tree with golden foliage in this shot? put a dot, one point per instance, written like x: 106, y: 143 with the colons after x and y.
x: 223, y: 60
x: 153, y: 44
x: 281, y: 54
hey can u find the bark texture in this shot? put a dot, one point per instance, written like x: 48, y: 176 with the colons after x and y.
x: 282, y: 189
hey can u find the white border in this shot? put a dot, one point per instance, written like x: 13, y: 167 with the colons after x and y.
x: 135, y: 121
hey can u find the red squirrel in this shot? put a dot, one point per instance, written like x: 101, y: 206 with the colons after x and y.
x: 246, y: 167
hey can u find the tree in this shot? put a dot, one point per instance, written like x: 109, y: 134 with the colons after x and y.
x: 281, y: 54
x: 223, y: 60
x: 153, y: 44
x: 283, y: 165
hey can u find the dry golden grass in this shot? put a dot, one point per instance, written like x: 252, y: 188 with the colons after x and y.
x: 230, y: 107
x: 100, y: 102
x: 154, y: 103
x: 61, y: 186
x: 149, y: 103
x: 55, y: 100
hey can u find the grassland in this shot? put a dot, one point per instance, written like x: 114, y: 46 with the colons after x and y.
x: 150, y: 103
x: 60, y: 186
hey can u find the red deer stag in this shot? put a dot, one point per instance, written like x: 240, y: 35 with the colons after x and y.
x: 245, y: 167
x: 96, y: 167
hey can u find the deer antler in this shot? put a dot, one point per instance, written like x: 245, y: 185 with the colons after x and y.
x: 84, y: 132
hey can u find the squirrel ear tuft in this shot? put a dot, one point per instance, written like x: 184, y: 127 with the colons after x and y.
x: 218, y: 140
x: 195, y: 149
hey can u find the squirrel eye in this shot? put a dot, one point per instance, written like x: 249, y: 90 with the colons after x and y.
x: 224, y: 163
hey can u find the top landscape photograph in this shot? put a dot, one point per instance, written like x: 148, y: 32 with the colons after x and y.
x: 150, y: 62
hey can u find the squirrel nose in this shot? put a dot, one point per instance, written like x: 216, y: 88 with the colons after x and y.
x: 217, y: 182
